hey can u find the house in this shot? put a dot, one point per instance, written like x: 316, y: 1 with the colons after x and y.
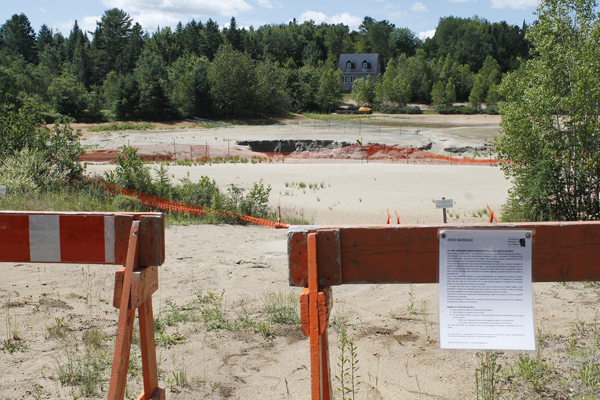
x: 358, y: 66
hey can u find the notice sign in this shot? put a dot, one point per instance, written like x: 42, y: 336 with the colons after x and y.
x: 485, y: 290
x: 444, y: 203
x: 2, y: 190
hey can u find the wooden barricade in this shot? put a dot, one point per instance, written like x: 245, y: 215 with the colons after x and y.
x: 135, y: 240
x: 322, y: 257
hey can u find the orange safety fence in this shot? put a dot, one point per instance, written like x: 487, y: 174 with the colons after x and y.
x: 356, y: 152
x: 181, y: 207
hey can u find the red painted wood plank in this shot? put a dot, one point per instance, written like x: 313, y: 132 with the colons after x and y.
x: 14, y: 238
x: 562, y: 251
x: 82, y: 238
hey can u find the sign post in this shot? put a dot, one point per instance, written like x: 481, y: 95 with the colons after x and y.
x: 444, y: 203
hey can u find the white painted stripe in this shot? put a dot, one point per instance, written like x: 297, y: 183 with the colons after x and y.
x: 109, y: 239
x: 44, y: 238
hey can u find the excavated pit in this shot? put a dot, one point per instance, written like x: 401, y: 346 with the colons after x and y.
x: 292, y: 146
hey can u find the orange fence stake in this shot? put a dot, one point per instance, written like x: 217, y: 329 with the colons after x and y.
x: 492, y: 215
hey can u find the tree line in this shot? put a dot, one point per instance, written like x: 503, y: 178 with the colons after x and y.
x: 119, y: 71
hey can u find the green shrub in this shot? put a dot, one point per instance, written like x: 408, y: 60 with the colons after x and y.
x: 200, y: 193
x: 465, y: 110
x: 131, y: 173
x: 28, y: 171
x: 127, y: 204
x: 394, y: 109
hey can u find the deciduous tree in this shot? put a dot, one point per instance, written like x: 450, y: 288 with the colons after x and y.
x: 551, y: 117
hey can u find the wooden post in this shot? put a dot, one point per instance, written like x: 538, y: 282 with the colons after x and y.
x: 314, y: 306
x: 118, y: 375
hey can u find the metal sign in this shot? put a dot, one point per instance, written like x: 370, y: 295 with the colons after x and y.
x: 2, y: 190
x: 444, y: 203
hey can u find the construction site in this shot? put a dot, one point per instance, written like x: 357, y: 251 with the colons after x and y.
x: 227, y: 320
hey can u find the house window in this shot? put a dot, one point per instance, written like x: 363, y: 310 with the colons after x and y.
x: 345, y: 79
x: 349, y: 64
x: 351, y: 78
x: 366, y: 64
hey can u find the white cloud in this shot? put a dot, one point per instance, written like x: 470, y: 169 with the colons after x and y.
x: 394, y: 11
x: 514, y: 4
x: 345, y: 18
x: 42, y: 10
x: 152, y: 20
x: 419, y: 8
x: 178, y: 8
x: 426, y: 34
x: 265, y: 3
x: 88, y: 23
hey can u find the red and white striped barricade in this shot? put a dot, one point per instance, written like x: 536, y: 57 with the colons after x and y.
x: 135, y: 240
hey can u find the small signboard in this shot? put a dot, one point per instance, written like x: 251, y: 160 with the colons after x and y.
x: 485, y: 289
x: 2, y: 190
x: 444, y: 203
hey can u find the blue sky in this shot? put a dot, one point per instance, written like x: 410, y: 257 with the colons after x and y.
x: 420, y: 16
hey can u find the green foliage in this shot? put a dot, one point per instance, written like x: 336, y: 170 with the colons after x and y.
x: 348, y: 377
x: 33, y: 156
x: 20, y: 128
x: 200, y: 193
x: 487, y: 376
x: 131, y: 173
x: 534, y: 370
x: 255, y: 203
x: 364, y: 92
x: 68, y: 96
x: 331, y: 86
x: 471, y: 40
x: 211, y: 308
x: 18, y: 37
x: 487, y: 77
x: 241, y: 88
x: 83, y: 369
x: 550, y: 118
x: 281, y: 308
x: 13, y: 344
x: 127, y: 203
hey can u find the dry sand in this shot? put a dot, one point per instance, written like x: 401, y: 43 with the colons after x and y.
x: 396, y: 361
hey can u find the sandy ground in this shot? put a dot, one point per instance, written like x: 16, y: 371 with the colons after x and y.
x: 396, y: 361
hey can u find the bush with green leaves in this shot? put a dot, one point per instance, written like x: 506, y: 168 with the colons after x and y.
x: 52, y: 155
x: 200, y: 193
x: 131, y: 173
x: 550, y: 119
x: 28, y: 172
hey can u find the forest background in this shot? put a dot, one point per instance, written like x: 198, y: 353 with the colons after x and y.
x: 121, y: 72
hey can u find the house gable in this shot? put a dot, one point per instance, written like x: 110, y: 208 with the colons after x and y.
x: 358, y: 66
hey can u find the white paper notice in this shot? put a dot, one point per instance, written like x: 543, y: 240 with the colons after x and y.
x: 485, y: 290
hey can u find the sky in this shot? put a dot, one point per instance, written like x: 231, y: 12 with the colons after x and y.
x: 420, y: 16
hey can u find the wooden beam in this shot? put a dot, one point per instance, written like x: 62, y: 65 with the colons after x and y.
x: 144, y: 282
x: 329, y: 260
x: 562, y: 251
x: 79, y: 237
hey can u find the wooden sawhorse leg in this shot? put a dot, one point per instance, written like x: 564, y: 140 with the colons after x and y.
x: 315, y: 304
x: 133, y: 289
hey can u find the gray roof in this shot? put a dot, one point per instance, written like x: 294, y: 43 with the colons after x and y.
x: 357, y: 60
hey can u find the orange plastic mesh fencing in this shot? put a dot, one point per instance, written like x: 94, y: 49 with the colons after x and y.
x: 180, y: 207
x: 371, y: 153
